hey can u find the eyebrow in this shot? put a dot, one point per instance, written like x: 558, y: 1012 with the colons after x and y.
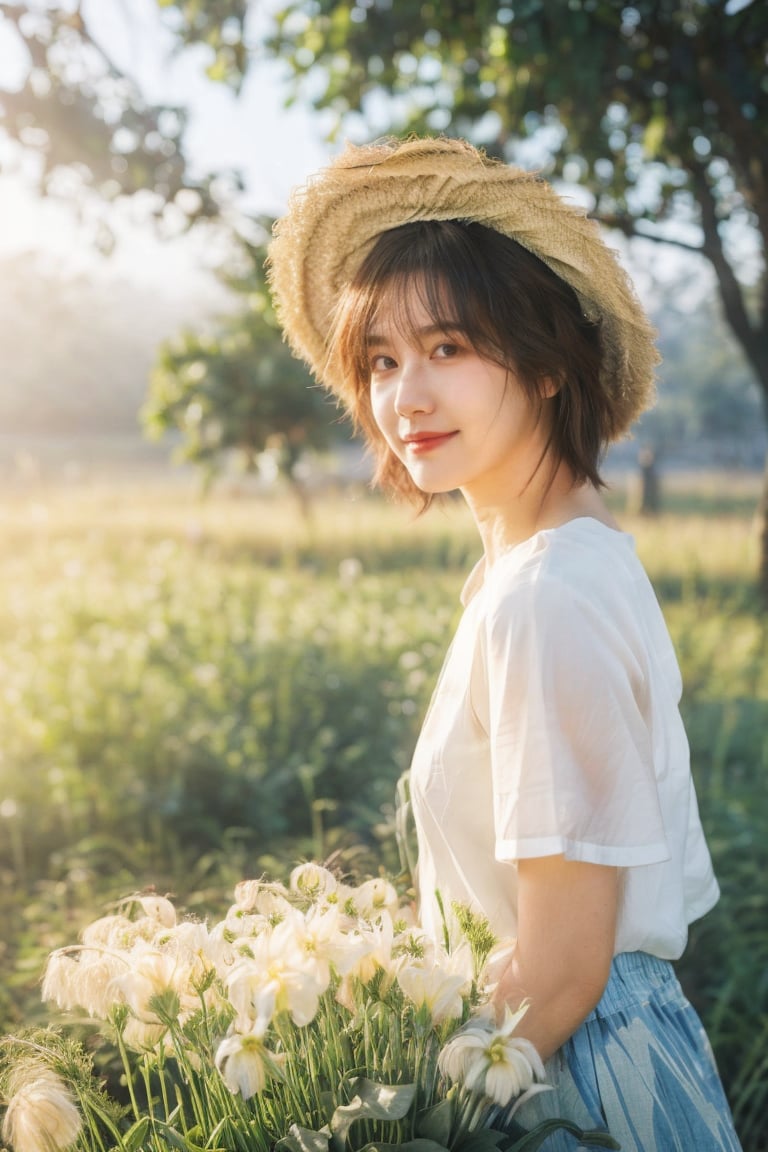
x: 376, y: 340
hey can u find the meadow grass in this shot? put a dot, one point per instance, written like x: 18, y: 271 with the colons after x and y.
x: 195, y: 691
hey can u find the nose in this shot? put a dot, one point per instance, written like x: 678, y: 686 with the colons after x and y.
x: 413, y: 393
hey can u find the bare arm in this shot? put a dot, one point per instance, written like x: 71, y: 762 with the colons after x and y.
x: 566, y: 931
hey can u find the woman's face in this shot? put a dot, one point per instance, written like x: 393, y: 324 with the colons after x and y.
x: 453, y: 418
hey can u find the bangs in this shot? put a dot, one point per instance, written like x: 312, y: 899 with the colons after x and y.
x: 423, y: 268
x: 505, y: 302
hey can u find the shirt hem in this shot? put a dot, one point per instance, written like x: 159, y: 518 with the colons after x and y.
x: 508, y: 851
x: 703, y: 903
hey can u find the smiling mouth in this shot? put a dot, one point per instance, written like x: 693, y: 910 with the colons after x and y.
x: 426, y: 441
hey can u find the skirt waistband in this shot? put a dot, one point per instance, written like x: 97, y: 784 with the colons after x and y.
x: 633, y: 977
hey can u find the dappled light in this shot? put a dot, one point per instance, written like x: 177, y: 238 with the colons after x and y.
x: 217, y: 644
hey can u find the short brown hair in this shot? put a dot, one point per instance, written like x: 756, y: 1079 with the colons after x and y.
x: 510, y: 306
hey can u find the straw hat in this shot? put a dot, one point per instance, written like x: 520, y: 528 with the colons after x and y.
x: 332, y: 222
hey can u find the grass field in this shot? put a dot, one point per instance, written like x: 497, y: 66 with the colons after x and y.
x: 192, y: 692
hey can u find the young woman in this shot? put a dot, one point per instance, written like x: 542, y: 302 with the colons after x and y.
x: 486, y: 340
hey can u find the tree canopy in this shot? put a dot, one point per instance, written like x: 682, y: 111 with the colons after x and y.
x: 88, y: 124
x: 237, y: 388
x: 658, y: 107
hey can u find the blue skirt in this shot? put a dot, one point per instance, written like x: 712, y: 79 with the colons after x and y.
x: 641, y: 1067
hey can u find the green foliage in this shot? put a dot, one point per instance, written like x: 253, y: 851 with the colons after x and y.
x: 183, y: 708
x: 660, y: 110
x: 238, y: 387
x: 219, y: 26
x: 637, y: 99
x: 240, y: 692
x: 289, y: 1024
x: 82, y: 116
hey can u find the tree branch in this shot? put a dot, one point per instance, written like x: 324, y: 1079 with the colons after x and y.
x: 731, y: 292
x: 628, y: 225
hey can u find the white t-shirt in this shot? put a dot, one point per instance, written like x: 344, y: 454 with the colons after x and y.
x: 554, y: 728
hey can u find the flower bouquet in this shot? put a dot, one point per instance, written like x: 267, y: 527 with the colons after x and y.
x: 315, y: 1017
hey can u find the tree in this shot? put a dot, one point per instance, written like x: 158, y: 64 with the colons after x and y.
x: 238, y: 388
x: 77, y: 351
x: 97, y: 139
x: 93, y: 133
x: 658, y: 107
x: 707, y: 401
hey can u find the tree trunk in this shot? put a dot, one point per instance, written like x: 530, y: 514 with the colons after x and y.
x: 650, y: 488
x: 762, y: 529
x: 753, y: 338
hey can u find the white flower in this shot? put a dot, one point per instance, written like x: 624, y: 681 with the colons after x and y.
x: 434, y: 987
x: 41, y: 1116
x: 320, y: 940
x: 236, y: 930
x: 276, y: 967
x: 150, y: 974
x: 490, y: 1061
x: 245, y: 1064
x: 143, y: 1035
x: 378, y: 938
x: 82, y: 977
x: 158, y: 908
x: 374, y: 897
x: 256, y: 896
x: 414, y: 946
x: 431, y: 977
x: 111, y: 932
x: 153, y: 975
x: 60, y: 980
x: 246, y: 895
x: 196, y: 954
x: 350, y: 569
x: 312, y: 881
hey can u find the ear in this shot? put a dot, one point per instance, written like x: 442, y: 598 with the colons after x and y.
x: 549, y: 386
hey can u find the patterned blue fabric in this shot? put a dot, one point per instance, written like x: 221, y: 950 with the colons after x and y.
x: 641, y: 1066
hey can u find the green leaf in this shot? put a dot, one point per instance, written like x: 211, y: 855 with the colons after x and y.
x: 653, y: 136
x: 135, y: 1138
x: 371, y: 1101
x: 599, y: 1139
x: 536, y: 1137
x: 484, y: 1140
x: 435, y: 1123
x: 176, y: 1140
x: 303, y: 1140
x: 136, y: 1134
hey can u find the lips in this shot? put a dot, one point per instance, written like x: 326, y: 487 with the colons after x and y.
x: 418, y: 442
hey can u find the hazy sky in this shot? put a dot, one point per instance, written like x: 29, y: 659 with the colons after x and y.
x: 273, y: 147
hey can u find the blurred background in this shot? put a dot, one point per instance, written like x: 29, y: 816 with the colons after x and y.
x: 216, y: 642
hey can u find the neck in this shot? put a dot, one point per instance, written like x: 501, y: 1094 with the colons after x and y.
x: 548, y: 500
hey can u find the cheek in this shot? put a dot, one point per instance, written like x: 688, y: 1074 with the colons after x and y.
x: 383, y: 412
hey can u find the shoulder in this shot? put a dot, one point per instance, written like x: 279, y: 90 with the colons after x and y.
x: 582, y: 565
x: 575, y: 596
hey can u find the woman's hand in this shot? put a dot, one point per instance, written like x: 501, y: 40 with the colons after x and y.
x: 565, y: 941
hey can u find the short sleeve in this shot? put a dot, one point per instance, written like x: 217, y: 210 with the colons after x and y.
x: 569, y: 730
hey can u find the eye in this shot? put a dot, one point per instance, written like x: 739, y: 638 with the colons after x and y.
x: 446, y: 350
x: 382, y: 363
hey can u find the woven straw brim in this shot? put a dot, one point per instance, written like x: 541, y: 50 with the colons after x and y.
x: 332, y: 222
